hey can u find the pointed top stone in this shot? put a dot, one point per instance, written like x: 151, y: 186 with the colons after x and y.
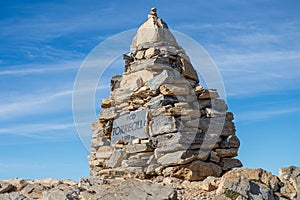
x: 153, y: 32
x: 153, y: 12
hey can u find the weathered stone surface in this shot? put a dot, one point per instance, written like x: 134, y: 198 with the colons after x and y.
x: 174, y: 90
x: 188, y: 71
x: 136, y: 148
x: 104, y: 152
x: 166, y: 76
x: 208, y: 94
x: 50, y: 182
x: 160, y: 101
x: 291, y: 177
x: 140, y: 55
x: 116, y: 158
x: 184, y: 138
x: 54, y: 194
x: 13, y: 196
x: 129, y: 127
x: 151, y: 52
x: 135, y: 80
x: 249, y: 184
x: 100, y: 141
x: 214, y: 113
x: 162, y: 124
x: 218, y: 126
x: 134, y: 163
x: 17, y: 183
x: 106, y: 103
x: 216, y: 104
x: 6, y: 187
x: 210, y: 183
x: 197, y: 170
x: 154, y: 30
x: 227, y: 152
x: 230, y: 142
x: 115, y: 82
x: 34, y: 190
x: 229, y: 163
x: 107, y: 113
x: 214, y: 157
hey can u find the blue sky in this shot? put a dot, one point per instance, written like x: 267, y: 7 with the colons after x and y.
x: 255, y: 44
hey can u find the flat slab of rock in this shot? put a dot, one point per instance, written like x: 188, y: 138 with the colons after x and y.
x: 129, y: 127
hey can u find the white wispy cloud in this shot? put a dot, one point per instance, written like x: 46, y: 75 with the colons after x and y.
x: 36, y: 130
x: 28, y: 69
x: 42, y: 103
x: 256, y: 115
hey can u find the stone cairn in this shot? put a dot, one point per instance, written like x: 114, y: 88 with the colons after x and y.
x: 158, y: 121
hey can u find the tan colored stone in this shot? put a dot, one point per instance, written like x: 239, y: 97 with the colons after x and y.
x: 151, y: 52
x: 104, y: 152
x: 208, y: 94
x: 106, y: 103
x: 140, y: 55
x: 197, y: 170
x: 188, y: 71
x: 229, y: 163
x: 136, y: 148
x: 227, y: 152
x: 174, y: 90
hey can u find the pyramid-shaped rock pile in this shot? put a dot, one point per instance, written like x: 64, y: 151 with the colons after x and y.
x: 158, y: 121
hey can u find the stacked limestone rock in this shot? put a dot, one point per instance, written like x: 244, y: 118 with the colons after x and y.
x: 158, y: 121
x: 239, y: 184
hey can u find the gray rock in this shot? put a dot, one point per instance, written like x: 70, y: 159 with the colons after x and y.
x: 104, y: 152
x: 163, y: 77
x: 34, y: 190
x: 136, y: 148
x: 100, y: 141
x: 54, y: 194
x: 229, y: 163
x: 248, y: 184
x: 188, y: 71
x: 195, y: 171
x: 162, y: 124
x: 116, y: 158
x: 6, y: 187
x: 107, y: 113
x: 230, y: 142
x: 175, y: 90
x: 216, y: 104
x: 160, y: 101
x: 291, y: 176
x: 13, y: 196
x: 134, y: 163
x: 227, y: 152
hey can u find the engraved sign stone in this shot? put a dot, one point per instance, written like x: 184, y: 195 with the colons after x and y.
x: 129, y: 127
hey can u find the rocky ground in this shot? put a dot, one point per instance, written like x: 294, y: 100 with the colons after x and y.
x: 237, y: 184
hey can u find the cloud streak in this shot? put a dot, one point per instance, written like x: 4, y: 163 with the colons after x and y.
x: 29, y: 69
x: 36, y: 130
x: 250, y: 116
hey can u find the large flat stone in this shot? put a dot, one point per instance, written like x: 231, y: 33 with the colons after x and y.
x: 227, y: 152
x: 136, y: 148
x: 162, y: 124
x: 198, y: 170
x: 130, y: 126
x: 107, y: 113
x: 104, y: 152
x: 230, y: 142
x: 116, y: 158
x: 160, y: 101
x: 175, y: 89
